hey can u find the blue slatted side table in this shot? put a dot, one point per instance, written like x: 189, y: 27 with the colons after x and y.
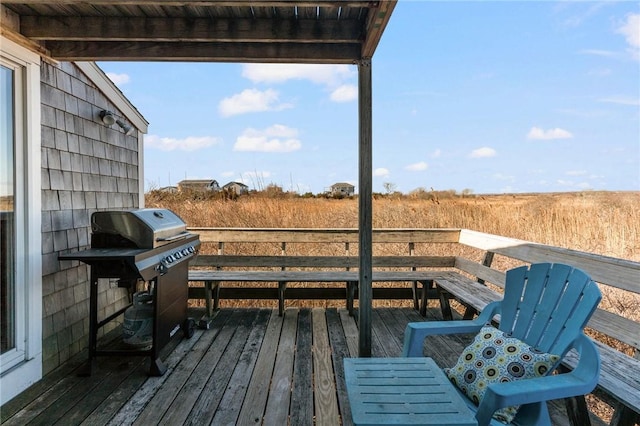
x: 403, y: 391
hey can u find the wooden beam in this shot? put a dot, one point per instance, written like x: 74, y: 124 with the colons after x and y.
x: 377, y: 20
x: 9, y: 19
x: 365, y: 206
x: 207, y: 3
x: 27, y: 43
x: 191, y: 29
x: 214, y: 52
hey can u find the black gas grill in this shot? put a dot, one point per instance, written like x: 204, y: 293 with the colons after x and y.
x: 151, y: 246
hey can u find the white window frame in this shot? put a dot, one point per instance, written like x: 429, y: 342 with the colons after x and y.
x: 16, y: 355
x: 26, y: 368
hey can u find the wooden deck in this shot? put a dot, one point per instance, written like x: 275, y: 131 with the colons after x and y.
x: 251, y: 367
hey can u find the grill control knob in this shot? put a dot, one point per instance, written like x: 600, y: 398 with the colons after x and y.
x: 169, y: 259
x: 185, y: 252
x: 191, y: 249
x: 177, y: 255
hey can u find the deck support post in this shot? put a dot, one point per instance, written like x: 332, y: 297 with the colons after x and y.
x: 365, y: 204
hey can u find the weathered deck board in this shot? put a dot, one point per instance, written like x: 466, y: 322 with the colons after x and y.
x: 212, y: 393
x: 326, y: 403
x: 250, y: 367
x: 277, y: 410
x: 256, y: 399
x: 231, y: 403
x: 340, y: 350
x: 350, y: 331
x: 302, y: 392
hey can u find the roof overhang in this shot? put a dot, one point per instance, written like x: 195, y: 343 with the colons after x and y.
x: 323, y: 31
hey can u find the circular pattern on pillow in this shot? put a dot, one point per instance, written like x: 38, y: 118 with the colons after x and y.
x: 495, y: 357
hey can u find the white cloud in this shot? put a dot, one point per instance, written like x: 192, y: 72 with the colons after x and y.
x: 501, y: 176
x: 251, y: 100
x: 536, y: 133
x: 622, y: 100
x: 329, y: 75
x: 597, y: 52
x: 345, y: 93
x: 277, y: 138
x: 578, y: 19
x: 631, y: 30
x: 417, y: 167
x: 381, y: 172
x: 335, y: 78
x: 575, y: 172
x: 484, y: 152
x: 436, y: 154
x: 190, y: 143
x: 571, y: 184
x: 600, y: 72
x: 118, y: 79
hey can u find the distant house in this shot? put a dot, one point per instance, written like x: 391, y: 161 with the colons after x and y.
x: 198, y: 185
x: 238, y: 188
x: 343, y: 188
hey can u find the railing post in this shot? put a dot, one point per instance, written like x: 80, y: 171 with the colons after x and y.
x: 414, y: 287
x: 347, y: 253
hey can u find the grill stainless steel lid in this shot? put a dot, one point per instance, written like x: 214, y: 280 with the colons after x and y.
x: 144, y: 228
x: 147, y: 241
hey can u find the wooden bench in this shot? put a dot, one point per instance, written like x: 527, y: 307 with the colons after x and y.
x: 315, y: 269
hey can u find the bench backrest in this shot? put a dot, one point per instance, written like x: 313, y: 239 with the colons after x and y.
x: 341, y: 262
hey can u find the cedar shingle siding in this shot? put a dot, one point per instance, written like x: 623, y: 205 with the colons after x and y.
x: 86, y: 166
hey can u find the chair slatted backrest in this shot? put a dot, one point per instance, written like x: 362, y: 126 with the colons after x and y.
x: 547, y: 305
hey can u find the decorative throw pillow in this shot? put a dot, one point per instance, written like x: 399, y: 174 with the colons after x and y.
x: 495, y: 357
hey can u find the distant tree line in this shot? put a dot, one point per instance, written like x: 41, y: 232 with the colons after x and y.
x: 277, y: 192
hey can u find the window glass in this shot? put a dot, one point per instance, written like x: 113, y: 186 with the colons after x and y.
x: 7, y: 211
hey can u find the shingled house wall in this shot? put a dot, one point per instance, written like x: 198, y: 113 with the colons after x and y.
x: 86, y: 166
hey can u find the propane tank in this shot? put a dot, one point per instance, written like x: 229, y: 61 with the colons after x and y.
x: 138, y: 322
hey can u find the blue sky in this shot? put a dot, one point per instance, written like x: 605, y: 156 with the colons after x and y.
x: 493, y: 97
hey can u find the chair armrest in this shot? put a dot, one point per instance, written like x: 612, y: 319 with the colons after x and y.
x: 580, y: 381
x: 417, y: 332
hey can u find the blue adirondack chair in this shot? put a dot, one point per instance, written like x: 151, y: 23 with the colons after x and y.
x: 546, y: 306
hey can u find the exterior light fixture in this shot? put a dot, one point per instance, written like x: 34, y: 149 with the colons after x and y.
x: 108, y: 118
x: 128, y: 130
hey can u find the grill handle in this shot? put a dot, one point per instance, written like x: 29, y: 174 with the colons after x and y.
x: 179, y: 236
